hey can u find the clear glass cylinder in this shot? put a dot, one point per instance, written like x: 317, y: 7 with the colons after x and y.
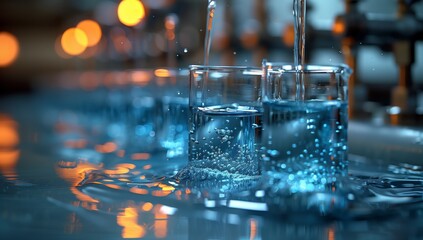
x: 305, y: 124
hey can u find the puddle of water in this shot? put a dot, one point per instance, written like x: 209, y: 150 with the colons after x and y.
x: 361, y: 195
x: 70, y: 161
x: 104, y: 163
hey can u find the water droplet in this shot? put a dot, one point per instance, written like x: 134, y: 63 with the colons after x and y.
x: 273, y: 153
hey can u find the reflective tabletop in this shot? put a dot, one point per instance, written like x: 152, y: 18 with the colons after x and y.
x: 68, y: 173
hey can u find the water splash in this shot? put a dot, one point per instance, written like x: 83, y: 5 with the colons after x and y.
x: 364, y: 194
x: 370, y: 190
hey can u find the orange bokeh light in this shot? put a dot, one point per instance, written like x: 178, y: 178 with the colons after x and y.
x: 9, y: 136
x: 338, y: 27
x: 160, y: 193
x: 77, y: 143
x: 141, y: 77
x: 125, y: 165
x: 138, y: 190
x: 166, y: 187
x: 93, y: 31
x: 130, y: 12
x: 147, y: 206
x: 160, y: 224
x: 128, y: 219
x: 8, y: 159
x: 116, y: 171
x: 140, y: 156
x: 253, y: 229
x: 147, y: 167
x: 288, y: 36
x: 9, y: 140
x: 331, y: 233
x: 161, y: 72
x: 108, y: 147
x: 59, y: 49
x: 9, y: 49
x: 74, y: 41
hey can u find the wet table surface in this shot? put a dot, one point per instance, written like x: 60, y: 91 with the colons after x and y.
x: 46, y: 154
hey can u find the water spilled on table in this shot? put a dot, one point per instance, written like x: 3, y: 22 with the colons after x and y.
x: 72, y: 171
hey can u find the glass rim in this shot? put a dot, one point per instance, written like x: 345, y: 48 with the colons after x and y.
x: 307, y: 68
x: 223, y: 67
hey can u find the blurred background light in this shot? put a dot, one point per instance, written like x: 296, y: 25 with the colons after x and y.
x: 9, y: 136
x: 92, y: 30
x: 130, y: 12
x: 131, y: 34
x: 162, y: 72
x: 59, y: 49
x: 74, y: 41
x: 9, y: 49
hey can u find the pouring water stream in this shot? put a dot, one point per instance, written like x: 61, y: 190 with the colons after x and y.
x: 211, y: 7
x: 299, y: 12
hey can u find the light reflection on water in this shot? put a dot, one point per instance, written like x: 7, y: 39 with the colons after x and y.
x: 9, y: 151
x: 148, y: 180
x: 128, y: 219
x: 151, y: 175
x: 132, y: 192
